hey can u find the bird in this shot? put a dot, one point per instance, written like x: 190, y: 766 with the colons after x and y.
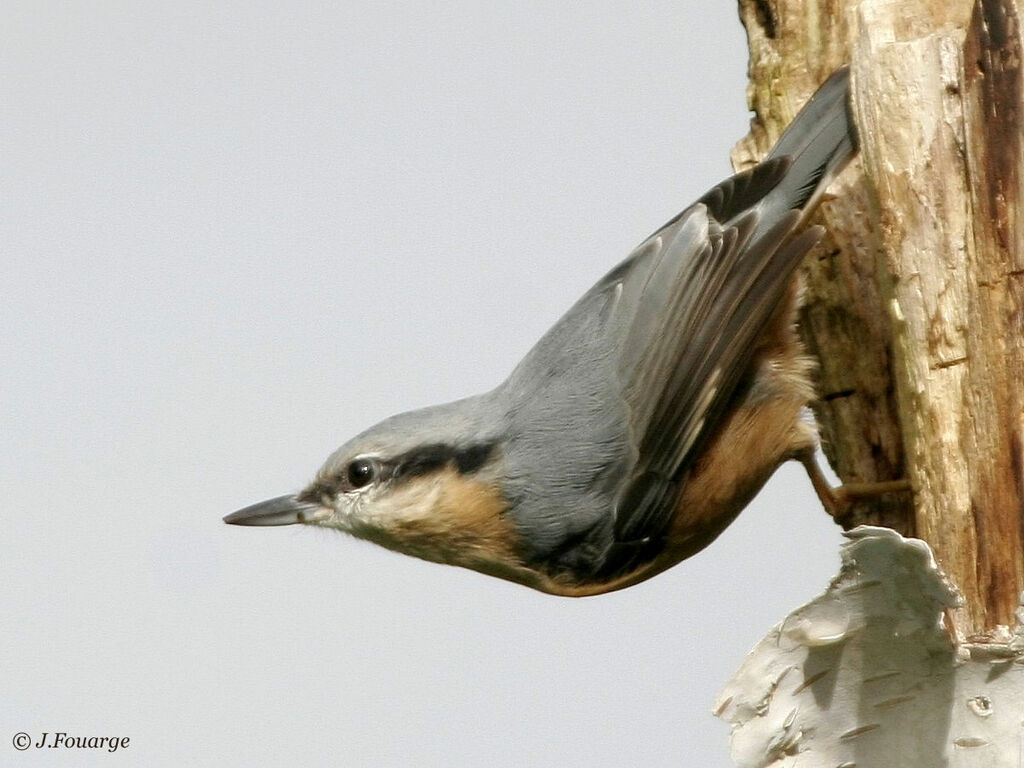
x: 640, y: 425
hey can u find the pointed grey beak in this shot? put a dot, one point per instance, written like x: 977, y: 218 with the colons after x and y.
x: 284, y: 510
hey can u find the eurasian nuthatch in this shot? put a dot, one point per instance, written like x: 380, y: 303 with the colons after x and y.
x: 639, y: 426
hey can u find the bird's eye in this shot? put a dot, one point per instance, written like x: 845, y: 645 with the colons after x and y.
x: 360, y: 472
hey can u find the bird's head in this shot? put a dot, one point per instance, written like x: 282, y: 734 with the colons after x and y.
x: 425, y: 483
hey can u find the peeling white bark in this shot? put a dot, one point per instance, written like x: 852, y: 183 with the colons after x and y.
x: 867, y: 676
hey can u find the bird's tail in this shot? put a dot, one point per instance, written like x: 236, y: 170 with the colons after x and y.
x: 819, y: 143
x: 811, y: 152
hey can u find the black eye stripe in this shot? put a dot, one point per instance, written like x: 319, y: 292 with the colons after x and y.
x: 423, y: 461
x: 473, y: 457
x: 431, y: 458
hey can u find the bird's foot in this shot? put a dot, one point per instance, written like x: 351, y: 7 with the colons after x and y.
x: 838, y: 502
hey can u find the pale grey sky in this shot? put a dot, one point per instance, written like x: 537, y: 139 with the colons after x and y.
x: 233, y: 235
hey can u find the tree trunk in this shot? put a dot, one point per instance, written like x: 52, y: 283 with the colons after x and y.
x: 914, y: 304
x: 915, y: 310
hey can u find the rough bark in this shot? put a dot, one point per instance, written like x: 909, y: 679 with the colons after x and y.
x: 915, y: 301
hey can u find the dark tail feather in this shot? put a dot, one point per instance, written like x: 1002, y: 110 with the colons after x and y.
x: 814, y: 148
x: 819, y: 142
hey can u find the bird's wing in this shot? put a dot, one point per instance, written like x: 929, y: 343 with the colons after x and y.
x: 698, y: 312
x: 717, y: 274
